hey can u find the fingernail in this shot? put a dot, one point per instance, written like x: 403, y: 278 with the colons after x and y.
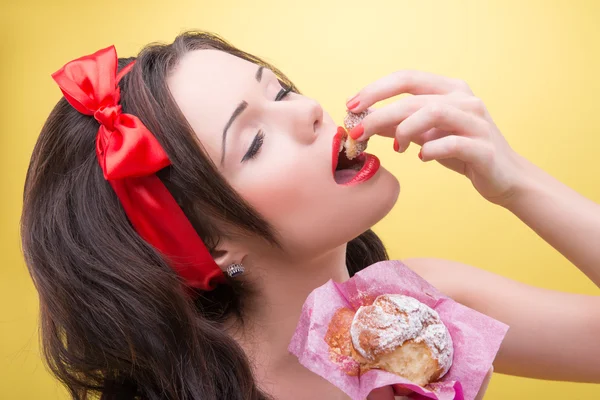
x: 421, y: 154
x: 353, y: 102
x: 357, y: 131
x: 396, y: 145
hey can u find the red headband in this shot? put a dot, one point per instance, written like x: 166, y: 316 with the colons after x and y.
x: 129, y: 156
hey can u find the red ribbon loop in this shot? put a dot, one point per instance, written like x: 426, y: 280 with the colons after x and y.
x: 130, y: 156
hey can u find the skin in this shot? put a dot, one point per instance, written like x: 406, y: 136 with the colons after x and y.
x: 290, y: 183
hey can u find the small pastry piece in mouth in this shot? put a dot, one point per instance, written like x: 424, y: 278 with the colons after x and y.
x: 347, y: 168
x: 354, y: 148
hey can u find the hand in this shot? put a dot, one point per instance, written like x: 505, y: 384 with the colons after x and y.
x: 387, y: 393
x: 449, y: 122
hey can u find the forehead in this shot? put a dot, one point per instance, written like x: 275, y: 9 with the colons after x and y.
x: 207, y: 86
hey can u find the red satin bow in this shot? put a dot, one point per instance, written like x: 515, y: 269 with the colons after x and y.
x: 129, y: 156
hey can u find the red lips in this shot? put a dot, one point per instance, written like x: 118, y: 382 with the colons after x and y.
x: 370, y: 163
x: 337, y: 141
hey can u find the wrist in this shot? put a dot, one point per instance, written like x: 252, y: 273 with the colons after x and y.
x: 528, y: 182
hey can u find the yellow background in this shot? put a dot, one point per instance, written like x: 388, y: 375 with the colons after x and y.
x: 536, y: 64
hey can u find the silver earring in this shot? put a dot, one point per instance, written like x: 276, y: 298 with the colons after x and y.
x: 235, y: 270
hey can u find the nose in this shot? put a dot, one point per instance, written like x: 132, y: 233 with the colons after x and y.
x: 304, y: 118
x: 316, y: 115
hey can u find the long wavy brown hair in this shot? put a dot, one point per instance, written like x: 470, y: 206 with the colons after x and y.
x: 116, y: 322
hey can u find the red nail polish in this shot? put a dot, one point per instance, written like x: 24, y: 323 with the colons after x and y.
x: 353, y: 102
x: 421, y: 154
x: 357, y: 131
x: 396, y: 145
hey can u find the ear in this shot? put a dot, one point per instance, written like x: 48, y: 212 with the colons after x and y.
x: 228, y: 252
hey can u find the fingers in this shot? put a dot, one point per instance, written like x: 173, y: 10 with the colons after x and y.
x: 421, y: 139
x: 405, y: 81
x: 384, y: 120
x: 440, y: 116
x: 469, y: 150
x: 387, y: 393
x: 383, y: 393
x: 430, y: 135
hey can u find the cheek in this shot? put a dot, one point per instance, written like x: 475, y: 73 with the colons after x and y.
x: 310, y: 212
x: 285, y: 195
x: 297, y: 199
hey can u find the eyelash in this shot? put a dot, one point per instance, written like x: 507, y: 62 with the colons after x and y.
x: 254, y: 146
x: 260, y: 136
x: 283, y: 93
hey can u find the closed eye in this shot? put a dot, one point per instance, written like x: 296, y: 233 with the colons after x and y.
x: 254, y: 146
x: 282, y: 93
x: 260, y: 136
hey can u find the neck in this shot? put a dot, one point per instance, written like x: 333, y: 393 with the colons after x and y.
x: 283, y: 289
x: 275, y: 310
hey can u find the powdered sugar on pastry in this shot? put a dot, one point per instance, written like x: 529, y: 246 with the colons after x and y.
x: 393, y: 320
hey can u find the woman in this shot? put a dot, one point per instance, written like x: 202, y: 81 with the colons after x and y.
x: 249, y: 162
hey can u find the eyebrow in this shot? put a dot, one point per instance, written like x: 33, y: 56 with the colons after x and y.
x: 236, y: 113
x: 259, y: 73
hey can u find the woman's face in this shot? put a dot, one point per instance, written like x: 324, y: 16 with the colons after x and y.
x: 277, y: 152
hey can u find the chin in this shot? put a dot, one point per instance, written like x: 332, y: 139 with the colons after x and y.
x: 380, y: 199
x: 392, y: 188
x: 385, y: 195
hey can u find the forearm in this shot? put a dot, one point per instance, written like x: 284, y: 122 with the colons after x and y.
x: 562, y: 217
x: 552, y: 335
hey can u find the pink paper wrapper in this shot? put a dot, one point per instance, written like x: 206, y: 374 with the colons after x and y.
x: 476, y: 337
